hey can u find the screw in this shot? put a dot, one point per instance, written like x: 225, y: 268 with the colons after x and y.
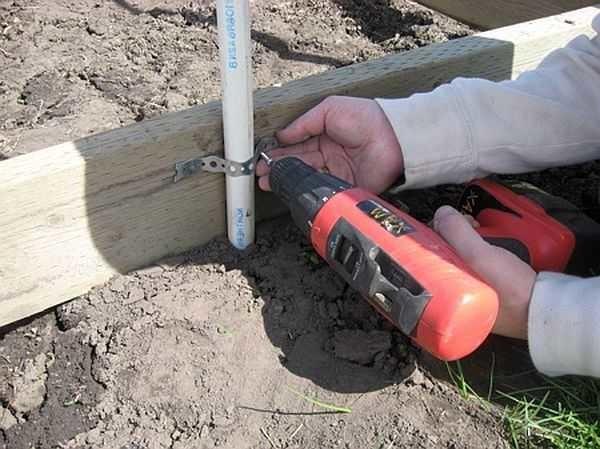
x: 267, y: 158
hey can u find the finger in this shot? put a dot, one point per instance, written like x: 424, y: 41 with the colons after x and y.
x: 492, y: 262
x: 307, y: 146
x: 314, y: 159
x: 263, y: 183
x: 509, y: 276
x: 460, y: 234
x: 262, y: 168
x: 474, y: 223
x: 311, y: 123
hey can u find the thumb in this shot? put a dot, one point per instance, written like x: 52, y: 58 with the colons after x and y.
x: 458, y: 231
x: 512, y: 278
x: 309, y: 124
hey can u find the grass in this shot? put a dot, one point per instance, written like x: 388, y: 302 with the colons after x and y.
x: 558, y: 413
x: 326, y: 406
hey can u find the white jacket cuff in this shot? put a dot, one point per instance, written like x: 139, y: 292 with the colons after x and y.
x: 564, y: 330
x: 433, y: 132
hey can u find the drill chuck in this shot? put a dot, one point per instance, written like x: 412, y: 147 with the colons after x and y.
x: 303, y: 189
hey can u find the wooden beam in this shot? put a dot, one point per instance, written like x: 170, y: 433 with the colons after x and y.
x: 488, y: 14
x: 75, y: 214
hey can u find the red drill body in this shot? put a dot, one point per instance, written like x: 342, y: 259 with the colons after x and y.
x: 404, y: 269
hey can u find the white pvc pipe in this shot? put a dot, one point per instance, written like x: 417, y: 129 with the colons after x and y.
x: 233, y: 18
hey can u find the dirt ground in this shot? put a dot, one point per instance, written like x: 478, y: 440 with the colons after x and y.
x: 213, y: 348
x: 70, y: 68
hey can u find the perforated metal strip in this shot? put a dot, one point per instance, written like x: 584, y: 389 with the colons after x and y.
x: 216, y: 164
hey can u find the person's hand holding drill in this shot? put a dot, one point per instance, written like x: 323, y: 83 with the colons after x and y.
x: 350, y: 137
x: 469, y: 129
x: 353, y: 139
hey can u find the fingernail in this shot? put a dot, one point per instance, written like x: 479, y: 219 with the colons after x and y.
x: 444, y: 211
x: 472, y: 221
x: 441, y: 213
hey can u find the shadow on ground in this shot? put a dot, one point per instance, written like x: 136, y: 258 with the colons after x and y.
x: 325, y: 332
x: 208, y: 16
x: 379, y: 20
x: 152, y: 11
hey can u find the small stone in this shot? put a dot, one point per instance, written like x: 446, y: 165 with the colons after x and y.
x: 417, y: 377
x: 7, y: 420
x: 204, y: 431
x: 135, y: 294
x: 277, y: 308
x: 220, y: 420
x: 175, y: 101
x: 322, y: 306
x: 332, y: 310
x: 30, y: 387
x: 152, y: 271
x: 97, y: 28
x: 94, y: 436
x: 379, y: 358
x: 118, y: 284
x: 171, y: 262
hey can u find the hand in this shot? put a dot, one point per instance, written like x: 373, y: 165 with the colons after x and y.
x: 512, y: 278
x: 350, y: 137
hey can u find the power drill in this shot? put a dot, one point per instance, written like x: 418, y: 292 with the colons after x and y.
x: 402, y: 267
x: 547, y: 232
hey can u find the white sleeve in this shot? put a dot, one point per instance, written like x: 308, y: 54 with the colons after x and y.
x: 564, y: 325
x: 470, y: 128
x: 547, y: 117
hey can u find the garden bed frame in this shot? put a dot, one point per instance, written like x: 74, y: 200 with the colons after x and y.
x: 75, y: 214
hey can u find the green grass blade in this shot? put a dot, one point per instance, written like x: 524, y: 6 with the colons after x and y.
x: 324, y: 405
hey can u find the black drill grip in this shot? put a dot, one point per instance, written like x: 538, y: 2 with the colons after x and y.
x: 303, y: 189
x: 514, y: 246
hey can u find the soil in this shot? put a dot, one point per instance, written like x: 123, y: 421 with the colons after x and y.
x: 71, y: 68
x: 215, y: 348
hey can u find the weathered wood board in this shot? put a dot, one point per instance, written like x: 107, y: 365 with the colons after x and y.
x: 488, y: 14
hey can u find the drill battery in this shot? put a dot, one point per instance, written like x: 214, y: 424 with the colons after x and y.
x: 546, y: 231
